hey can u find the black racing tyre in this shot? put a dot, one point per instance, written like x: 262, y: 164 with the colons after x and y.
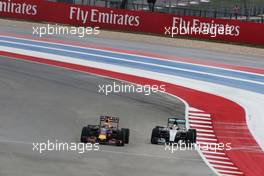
x: 191, y: 135
x: 120, y: 138
x: 127, y: 133
x: 155, y: 136
x: 84, y: 135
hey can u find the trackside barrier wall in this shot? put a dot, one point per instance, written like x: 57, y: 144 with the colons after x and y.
x: 134, y: 21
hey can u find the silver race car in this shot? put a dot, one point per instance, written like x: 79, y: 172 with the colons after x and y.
x: 174, y: 132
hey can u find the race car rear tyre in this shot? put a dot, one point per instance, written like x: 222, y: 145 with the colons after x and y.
x: 120, y: 138
x: 191, y: 135
x: 84, y: 135
x: 155, y: 136
x: 127, y: 133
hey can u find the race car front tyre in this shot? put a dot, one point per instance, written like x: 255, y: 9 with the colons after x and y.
x: 127, y: 133
x: 155, y: 136
x: 120, y: 138
x: 191, y: 135
x: 84, y: 135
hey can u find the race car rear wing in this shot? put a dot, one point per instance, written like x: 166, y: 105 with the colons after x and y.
x: 176, y: 121
x: 113, y: 119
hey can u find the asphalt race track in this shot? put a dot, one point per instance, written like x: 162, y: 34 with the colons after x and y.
x: 40, y: 103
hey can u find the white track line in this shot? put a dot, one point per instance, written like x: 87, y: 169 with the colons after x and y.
x: 199, y: 121
x: 205, y: 134
x: 200, y: 114
x: 199, y: 118
x: 203, y: 126
x: 227, y: 167
x: 228, y: 171
x: 216, y: 157
x: 229, y: 174
x: 206, y: 139
x: 221, y: 162
x: 203, y: 130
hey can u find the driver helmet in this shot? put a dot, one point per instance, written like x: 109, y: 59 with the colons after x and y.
x: 175, y: 127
